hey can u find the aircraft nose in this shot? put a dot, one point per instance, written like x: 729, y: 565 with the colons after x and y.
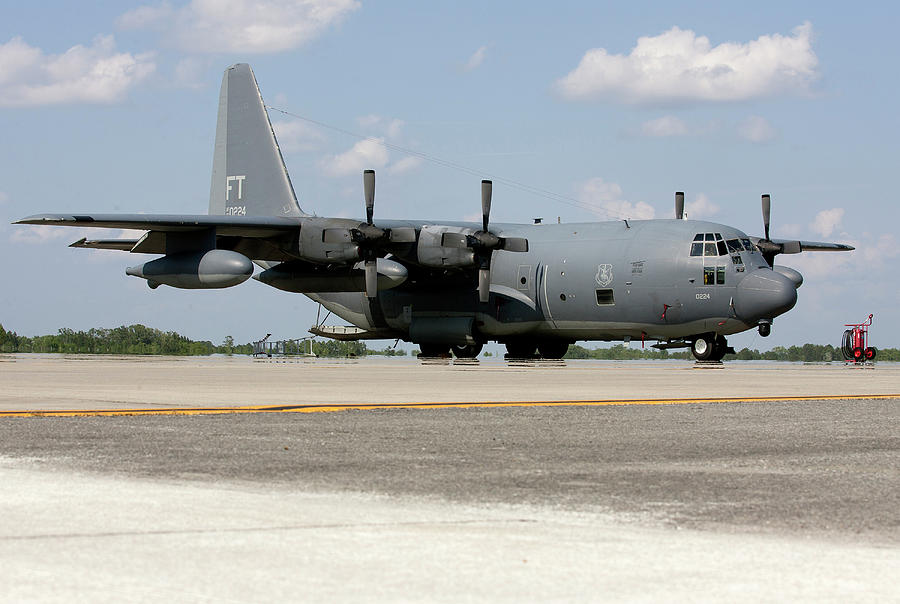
x: 764, y: 294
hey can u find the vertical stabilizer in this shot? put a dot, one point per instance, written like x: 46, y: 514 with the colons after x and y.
x: 249, y: 177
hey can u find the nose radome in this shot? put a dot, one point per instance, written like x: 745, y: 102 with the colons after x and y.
x: 764, y: 294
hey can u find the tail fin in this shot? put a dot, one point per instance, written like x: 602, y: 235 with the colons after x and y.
x: 249, y: 177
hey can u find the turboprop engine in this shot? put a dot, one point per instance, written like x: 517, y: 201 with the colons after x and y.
x: 213, y: 269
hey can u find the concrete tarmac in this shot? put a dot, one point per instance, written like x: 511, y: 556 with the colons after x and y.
x: 744, y: 501
x: 58, y: 382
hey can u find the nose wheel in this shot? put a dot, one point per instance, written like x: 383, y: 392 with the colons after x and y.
x: 710, y: 347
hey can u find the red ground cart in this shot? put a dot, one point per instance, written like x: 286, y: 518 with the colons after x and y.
x: 855, y: 345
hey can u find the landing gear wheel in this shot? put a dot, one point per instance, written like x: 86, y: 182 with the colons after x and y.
x: 703, y: 347
x: 433, y: 350
x: 553, y: 349
x: 870, y: 353
x: 765, y: 329
x: 469, y: 351
x: 520, y: 349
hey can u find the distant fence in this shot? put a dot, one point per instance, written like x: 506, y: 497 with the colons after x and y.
x: 301, y: 347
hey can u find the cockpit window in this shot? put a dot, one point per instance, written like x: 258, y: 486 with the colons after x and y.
x: 709, y: 237
x: 734, y: 246
x: 720, y: 245
x: 697, y: 248
x: 718, y: 237
x: 698, y: 237
x: 747, y: 245
x: 709, y: 249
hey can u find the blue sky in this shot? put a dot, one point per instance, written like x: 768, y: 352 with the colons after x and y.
x: 111, y: 107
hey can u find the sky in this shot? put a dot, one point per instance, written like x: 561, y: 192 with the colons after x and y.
x: 578, y: 110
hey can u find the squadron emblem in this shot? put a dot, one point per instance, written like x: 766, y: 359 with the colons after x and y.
x: 604, y: 274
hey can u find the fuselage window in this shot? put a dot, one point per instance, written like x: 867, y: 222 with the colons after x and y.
x: 709, y: 275
x: 697, y: 248
x: 605, y: 297
x: 720, y: 275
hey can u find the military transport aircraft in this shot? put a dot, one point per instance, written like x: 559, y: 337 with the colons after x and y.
x: 453, y: 285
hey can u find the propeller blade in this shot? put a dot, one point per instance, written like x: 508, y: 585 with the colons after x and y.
x: 486, y: 188
x: 767, y: 212
x: 484, y: 284
x: 369, y: 187
x: 514, y: 244
x: 403, y: 235
x: 679, y: 205
x: 371, y: 279
x: 336, y: 236
x: 454, y: 240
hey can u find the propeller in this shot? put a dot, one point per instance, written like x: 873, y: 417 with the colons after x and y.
x: 484, y: 242
x: 371, y: 234
x: 369, y: 238
x: 769, y: 248
x: 679, y: 205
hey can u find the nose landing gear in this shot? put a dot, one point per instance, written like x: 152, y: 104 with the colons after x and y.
x: 710, y: 347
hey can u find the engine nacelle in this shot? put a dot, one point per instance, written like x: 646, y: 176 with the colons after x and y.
x: 431, y: 252
x: 308, y: 279
x: 328, y: 241
x: 213, y: 269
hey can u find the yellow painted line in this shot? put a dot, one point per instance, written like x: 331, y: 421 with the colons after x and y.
x: 330, y: 408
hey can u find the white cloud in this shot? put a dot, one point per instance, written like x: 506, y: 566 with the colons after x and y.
x: 406, y: 164
x: 364, y: 155
x: 390, y: 127
x: 701, y: 207
x: 756, y: 129
x: 827, y: 221
x: 296, y: 136
x: 606, y: 200
x: 243, y: 26
x: 679, y: 66
x: 667, y: 125
x: 476, y: 59
x: 82, y: 74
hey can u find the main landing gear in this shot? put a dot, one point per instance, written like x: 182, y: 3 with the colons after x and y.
x: 710, y: 347
x: 430, y: 350
x: 529, y: 349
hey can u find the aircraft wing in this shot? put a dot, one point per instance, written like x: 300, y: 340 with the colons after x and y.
x: 257, y: 237
x: 786, y: 246
x: 240, y: 226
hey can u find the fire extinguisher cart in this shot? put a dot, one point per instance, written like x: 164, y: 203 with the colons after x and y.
x: 855, y: 344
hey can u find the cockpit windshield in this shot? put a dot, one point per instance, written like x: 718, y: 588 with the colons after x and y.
x: 712, y: 244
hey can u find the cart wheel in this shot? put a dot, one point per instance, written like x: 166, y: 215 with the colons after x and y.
x: 858, y: 353
x: 870, y: 353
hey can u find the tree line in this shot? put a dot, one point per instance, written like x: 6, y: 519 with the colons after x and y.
x: 139, y: 339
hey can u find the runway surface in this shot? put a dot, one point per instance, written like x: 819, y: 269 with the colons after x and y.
x: 695, y: 501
